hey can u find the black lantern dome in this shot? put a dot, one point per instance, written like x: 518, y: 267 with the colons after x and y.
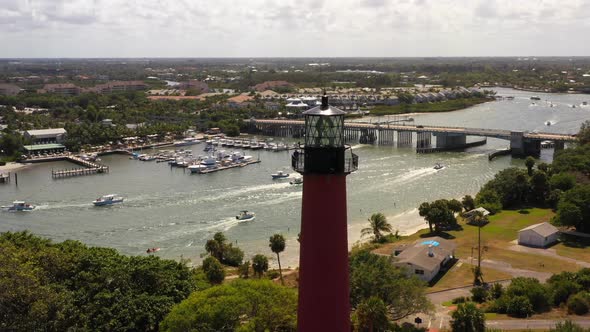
x: 324, y: 149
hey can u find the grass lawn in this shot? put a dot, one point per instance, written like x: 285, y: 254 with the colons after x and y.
x: 462, y: 275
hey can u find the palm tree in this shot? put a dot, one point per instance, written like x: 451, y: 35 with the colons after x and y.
x: 378, y: 224
x: 259, y: 265
x: 277, y: 245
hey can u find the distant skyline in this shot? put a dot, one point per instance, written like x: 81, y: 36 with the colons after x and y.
x: 292, y: 28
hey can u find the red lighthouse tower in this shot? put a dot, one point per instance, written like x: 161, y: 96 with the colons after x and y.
x: 325, y: 161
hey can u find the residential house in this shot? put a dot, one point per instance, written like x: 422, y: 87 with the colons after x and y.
x: 426, y: 257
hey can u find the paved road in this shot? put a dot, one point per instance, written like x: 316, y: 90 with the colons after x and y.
x: 532, y: 324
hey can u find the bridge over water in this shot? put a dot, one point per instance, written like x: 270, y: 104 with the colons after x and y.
x: 447, y: 138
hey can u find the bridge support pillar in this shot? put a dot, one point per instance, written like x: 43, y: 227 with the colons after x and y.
x: 558, y: 146
x: 404, y: 138
x: 450, y: 140
x: 522, y: 147
x: 423, y: 139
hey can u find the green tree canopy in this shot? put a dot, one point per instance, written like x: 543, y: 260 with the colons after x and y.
x: 69, y: 286
x: 372, y: 275
x: 573, y: 208
x: 259, y: 264
x: 468, y: 318
x: 242, y: 305
x: 440, y: 213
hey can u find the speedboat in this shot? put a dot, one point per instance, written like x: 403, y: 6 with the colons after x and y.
x: 548, y: 123
x: 246, y: 216
x: 280, y: 175
x: 296, y: 181
x: 152, y: 250
x: 438, y: 166
x: 19, y: 206
x: 108, y: 200
x: 535, y: 98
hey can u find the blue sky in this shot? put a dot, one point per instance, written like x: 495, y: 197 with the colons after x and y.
x: 285, y: 28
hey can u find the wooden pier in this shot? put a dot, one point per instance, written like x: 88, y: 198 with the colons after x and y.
x: 223, y: 168
x: 5, y: 177
x: 89, y: 168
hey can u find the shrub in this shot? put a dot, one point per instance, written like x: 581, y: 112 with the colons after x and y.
x: 2, y: 163
x: 563, y: 290
x: 233, y: 256
x: 460, y: 299
x: 567, y: 326
x: 213, y: 270
x: 273, y: 274
x: 534, y: 291
x: 578, y: 304
x: 519, y: 306
x: 479, y: 294
x: 244, y: 270
x: 496, y: 291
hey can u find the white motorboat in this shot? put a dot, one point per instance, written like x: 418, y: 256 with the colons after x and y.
x: 146, y: 157
x: 19, y: 206
x: 207, y: 163
x: 280, y: 175
x: 246, y: 216
x: 108, y: 200
x: 230, y: 143
x: 438, y: 166
x: 296, y: 181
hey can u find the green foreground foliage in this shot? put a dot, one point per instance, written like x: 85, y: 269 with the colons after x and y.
x: 47, y: 286
x: 242, y: 305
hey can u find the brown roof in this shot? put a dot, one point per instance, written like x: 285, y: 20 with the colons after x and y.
x: 240, y: 98
x: 270, y: 84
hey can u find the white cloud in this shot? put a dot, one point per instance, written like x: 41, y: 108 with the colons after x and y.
x: 187, y: 28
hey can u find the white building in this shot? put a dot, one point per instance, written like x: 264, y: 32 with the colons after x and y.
x: 425, y: 257
x: 45, y: 136
x: 538, y: 235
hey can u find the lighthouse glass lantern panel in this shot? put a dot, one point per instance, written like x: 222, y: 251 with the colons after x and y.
x: 324, y: 131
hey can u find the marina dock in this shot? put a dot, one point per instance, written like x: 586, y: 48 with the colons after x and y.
x: 90, y: 167
x: 5, y: 177
x: 223, y: 168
